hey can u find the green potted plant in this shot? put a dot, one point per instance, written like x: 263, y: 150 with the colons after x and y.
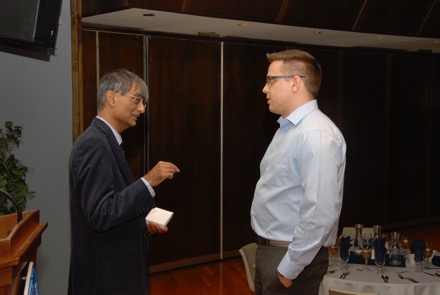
x: 12, y: 171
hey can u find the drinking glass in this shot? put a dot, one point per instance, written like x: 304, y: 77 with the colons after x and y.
x: 344, y: 254
x: 406, y: 244
x: 379, y: 259
x: 368, y: 240
x: 428, y: 252
x: 366, y: 254
x: 333, y: 251
x: 419, y: 259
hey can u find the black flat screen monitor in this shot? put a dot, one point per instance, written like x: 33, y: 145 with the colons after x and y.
x: 29, y: 24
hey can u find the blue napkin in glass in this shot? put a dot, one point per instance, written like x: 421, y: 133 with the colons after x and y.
x: 418, y: 247
x: 379, y: 245
x: 345, y: 245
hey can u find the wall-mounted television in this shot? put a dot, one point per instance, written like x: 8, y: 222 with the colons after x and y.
x: 29, y: 25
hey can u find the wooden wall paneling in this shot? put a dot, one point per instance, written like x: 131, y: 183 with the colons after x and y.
x: 89, y: 78
x: 184, y: 128
x: 329, y: 94
x: 93, y: 7
x: 251, y: 10
x: 434, y: 136
x: 409, y: 129
x: 248, y: 128
x: 386, y: 105
x: 364, y: 107
x: 335, y: 15
x: 172, y: 6
x: 126, y: 51
x: 393, y: 17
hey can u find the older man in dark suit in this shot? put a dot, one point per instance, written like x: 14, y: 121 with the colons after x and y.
x: 109, y: 252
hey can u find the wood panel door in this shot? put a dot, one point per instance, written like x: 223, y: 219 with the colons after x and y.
x: 103, y: 52
x: 248, y: 128
x: 434, y: 119
x: 184, y: 128
x: 409, y: 175
x: 127, y: 51
x: 364, y: 112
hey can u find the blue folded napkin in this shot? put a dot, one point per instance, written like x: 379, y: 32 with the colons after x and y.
x: 345, y: 245
x: 379, y: 245
x: 418, y: 247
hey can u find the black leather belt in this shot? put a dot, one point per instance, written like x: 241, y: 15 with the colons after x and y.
x: 265, y: 242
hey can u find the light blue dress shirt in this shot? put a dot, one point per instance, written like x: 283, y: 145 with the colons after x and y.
x: 298, y: 197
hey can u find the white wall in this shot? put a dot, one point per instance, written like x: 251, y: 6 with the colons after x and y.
x: 38, y: 96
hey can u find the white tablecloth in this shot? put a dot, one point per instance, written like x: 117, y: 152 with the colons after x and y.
x: 366, y: 279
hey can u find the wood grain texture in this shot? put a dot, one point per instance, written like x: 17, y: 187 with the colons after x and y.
x: 219, y: 278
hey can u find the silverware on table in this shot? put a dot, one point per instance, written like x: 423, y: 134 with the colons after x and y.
x: 427, y: 273
x: 407, y: 278
x: 385, y: 279
x: 344, y: 275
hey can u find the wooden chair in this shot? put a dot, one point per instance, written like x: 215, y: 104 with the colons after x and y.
x: 333, y: 291
x: 248, y: 254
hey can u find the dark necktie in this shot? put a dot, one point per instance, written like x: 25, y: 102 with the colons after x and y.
x: 122, y: 147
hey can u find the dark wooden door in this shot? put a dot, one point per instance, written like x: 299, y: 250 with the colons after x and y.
x: 103, y: 52
x: 184, y: 128
x: 248, y: 128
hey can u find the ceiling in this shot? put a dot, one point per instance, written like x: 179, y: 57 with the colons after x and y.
x: 146, y: 20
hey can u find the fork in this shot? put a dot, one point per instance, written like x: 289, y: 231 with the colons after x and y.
x: 344, y: 275
x: 427, y: 273
x: 407, y: 278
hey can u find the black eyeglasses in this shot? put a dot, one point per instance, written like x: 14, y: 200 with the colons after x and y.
x: 270, y: 78
x: 138, y: 99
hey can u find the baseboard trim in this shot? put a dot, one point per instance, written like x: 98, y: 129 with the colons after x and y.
x: 192, y: 261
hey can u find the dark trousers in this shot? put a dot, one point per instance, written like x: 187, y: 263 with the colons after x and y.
x: 266, y: 275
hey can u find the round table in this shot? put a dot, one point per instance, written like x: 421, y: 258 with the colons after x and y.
x: 364, y: 278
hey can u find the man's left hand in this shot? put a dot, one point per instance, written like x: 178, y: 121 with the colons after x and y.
x: 154, y: 228
x: 285, y: 281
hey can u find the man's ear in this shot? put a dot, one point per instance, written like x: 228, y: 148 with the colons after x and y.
x: 296, y: 83
x: 110, y: 97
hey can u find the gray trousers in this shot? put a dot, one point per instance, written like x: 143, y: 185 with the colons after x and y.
x: 266, y: 275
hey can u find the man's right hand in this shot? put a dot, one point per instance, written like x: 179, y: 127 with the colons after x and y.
x: 160, y: 172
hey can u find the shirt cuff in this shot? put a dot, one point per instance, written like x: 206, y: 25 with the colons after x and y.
x: 288, y: 270
x: 150, y: 188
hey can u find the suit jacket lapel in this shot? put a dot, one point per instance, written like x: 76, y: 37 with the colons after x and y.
x: 117, y: 151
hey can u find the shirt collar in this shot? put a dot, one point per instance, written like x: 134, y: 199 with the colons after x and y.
x: 116, y: 134
x: 300, y: 113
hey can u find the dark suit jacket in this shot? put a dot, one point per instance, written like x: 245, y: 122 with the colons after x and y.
x: 109, y: 250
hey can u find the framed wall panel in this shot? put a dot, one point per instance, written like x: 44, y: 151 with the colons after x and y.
x: 184, y: 128
x: 126, y: 51
x: 409, y: 138
x: 248, y: 128
x: 364, y: 113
